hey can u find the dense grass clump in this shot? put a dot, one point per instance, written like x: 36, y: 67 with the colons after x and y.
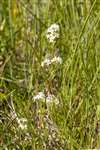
x: 49, y: 74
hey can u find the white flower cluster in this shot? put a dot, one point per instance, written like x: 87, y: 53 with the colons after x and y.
x: 40, y: 95
x: 53, y: 32
x: 22, y: 122
x: 57, y: 60
x: 50, y: 98
x: 48, y: 61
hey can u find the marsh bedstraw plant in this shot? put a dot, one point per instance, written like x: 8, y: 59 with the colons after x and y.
x: 49, y: 74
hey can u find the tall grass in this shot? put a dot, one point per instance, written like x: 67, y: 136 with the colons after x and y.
x: 73, y: 123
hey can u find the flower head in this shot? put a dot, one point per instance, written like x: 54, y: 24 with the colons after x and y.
x: 46, y: 62
x: 54, y: 60
x: 50, y: 98
x: 53, y: 32
x: 57, y: 60
x: 40, y: 95
x: 22, y: 122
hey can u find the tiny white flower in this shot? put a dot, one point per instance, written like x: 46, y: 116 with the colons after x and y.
x: 49, y: 98
x: 27, y: 137
x: 53, y: 27
x: 53, y: 32
x: 57, y: 60
x: 52, y: 99
x: 22, y: 123
x: 40, y: 95
x: 46, y: 62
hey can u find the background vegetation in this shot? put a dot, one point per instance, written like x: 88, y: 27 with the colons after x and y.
x: 74, y: 123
